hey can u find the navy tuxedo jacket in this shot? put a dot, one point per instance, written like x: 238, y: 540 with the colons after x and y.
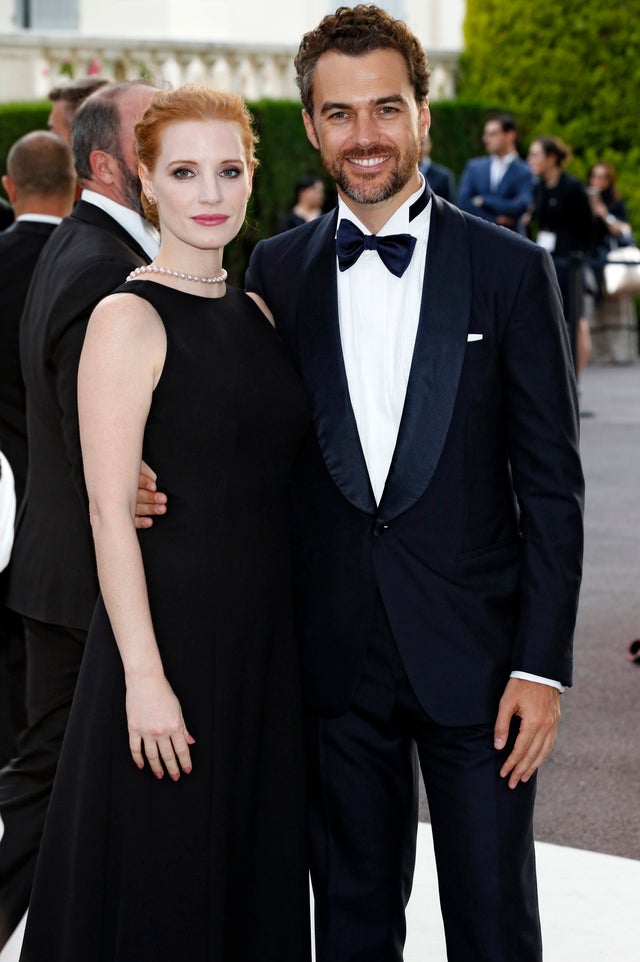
x: 52, y: 574
x: 511, y: 198
x: 476, y: 545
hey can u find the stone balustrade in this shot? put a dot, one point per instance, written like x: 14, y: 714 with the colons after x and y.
x: 31, y: 63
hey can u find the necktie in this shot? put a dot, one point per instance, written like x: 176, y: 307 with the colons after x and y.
x: 394, y: 250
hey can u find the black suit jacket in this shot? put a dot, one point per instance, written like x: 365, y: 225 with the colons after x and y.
x: 53, y: 576
x: 439, y: 178
x: 20, y: 247
x: 476, y: 544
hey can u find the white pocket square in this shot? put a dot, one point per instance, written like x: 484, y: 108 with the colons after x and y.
x: 474, y: 337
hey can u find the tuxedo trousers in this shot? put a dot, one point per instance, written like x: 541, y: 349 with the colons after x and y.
x: 53, y: 661
x: 363, y: 813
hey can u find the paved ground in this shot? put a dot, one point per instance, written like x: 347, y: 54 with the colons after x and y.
x: 588, y: 906
x: 589, y: 789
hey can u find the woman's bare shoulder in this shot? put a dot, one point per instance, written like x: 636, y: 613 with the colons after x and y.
x: 125, y: 316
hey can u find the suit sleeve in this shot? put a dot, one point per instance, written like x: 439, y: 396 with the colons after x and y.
x: 466, y: 190
x: 253, y: 277
x: 542, y: 434
x: 514, y: 206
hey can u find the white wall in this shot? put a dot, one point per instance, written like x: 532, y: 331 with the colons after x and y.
x: 30, y: 60
x: 6, y: 15
x: 438, y: 23
x: 237, y: 21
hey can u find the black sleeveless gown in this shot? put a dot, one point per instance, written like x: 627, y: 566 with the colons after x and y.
x: 211, y: 868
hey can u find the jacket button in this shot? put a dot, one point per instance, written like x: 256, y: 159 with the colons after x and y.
x: 379, y: 528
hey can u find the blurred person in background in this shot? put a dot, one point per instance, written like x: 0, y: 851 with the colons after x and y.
x: 40, y: 182
x: 309, y: 197
x: 613, y: 320
x: 66, y: 99
x: 497, y: 187
x: 440, y: 178
x: 561, y: 220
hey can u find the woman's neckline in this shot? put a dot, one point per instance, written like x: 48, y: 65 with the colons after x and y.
x: 178, y: 290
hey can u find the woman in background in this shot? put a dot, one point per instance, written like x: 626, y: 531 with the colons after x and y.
x: 562, y: 216
x: 613, y: 320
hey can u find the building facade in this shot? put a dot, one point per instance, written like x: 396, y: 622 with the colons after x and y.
x: 247, y: 47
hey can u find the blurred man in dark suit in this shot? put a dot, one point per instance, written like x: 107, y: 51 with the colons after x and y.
x: 440, y: 178
x: 498, y: 187
x: 40, y: 182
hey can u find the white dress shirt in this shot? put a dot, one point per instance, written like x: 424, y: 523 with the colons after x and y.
x: 140, y: 229
x: 499, y: 167
x: 378, y: 314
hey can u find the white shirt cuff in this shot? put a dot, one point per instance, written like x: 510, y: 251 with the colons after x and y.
x: 538, y: 679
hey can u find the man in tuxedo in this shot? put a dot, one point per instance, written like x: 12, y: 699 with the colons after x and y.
x: 497, y: 188
x: 436, y: 515
x: 439, y: 178
x: 52, y: 582
x: 40, y: 182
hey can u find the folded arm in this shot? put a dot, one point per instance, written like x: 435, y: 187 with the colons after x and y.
x: 467, y: 190
x: 514, y: 206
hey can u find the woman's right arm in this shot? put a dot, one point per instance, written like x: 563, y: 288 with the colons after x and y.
x: 121, y: 363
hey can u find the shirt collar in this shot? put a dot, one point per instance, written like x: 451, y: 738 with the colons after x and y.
x: 39, y: 218
x: 506, y: 160
x: 140, y: 229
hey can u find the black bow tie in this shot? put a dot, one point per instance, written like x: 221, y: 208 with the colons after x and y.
x: 394, y: 250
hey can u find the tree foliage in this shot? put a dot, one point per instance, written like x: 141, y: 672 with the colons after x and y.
x: 569, y: 68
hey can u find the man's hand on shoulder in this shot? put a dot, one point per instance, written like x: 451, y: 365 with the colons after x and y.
x: 538, y: 707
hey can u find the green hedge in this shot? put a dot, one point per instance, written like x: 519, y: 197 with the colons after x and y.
x: 285, y: 154
x: 17, y: 119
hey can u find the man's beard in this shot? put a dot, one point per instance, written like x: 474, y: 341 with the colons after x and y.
x: 131, y: 187
x: 374, y: 192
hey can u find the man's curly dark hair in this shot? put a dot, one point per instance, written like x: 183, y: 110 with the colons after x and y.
x: 356, y: 31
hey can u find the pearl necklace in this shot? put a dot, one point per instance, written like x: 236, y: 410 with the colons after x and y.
x: 153, y: 269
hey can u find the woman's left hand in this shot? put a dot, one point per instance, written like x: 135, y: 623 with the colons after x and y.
x: 155, y: 723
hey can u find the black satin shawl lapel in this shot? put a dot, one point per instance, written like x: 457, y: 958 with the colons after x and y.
x: 438, y: 355
x: 324, y: 374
